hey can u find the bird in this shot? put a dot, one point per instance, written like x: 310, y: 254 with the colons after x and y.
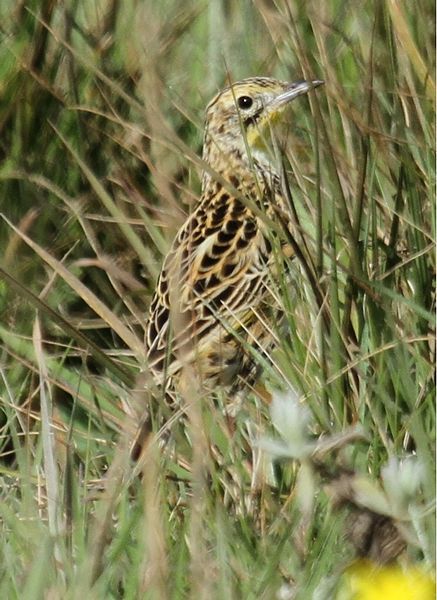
x: 213, y: 309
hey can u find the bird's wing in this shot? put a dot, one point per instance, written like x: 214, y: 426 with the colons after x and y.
x: 211, y: 278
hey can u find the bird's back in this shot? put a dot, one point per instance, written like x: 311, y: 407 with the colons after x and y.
x: 212, y: 306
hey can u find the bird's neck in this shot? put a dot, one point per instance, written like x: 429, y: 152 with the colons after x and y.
x: 241, y: 172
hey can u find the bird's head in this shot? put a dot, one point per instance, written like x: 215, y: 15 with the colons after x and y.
x: 240, y: 117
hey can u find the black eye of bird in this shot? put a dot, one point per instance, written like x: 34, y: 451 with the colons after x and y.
x: 245, y: 102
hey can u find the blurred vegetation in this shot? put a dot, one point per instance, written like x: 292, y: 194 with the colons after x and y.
x: 101, y: 108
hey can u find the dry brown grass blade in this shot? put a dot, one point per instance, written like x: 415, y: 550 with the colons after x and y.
x: 154, y: 568
x: 67, y: 327
x: 406, y: 40
x: 87, y: 296
x: 50, y: 466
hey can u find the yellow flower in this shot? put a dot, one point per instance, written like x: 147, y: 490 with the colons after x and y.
x: 366, y: 581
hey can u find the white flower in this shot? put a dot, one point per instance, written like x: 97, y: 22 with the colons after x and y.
x: 291, y: 419
x: 401, y: 480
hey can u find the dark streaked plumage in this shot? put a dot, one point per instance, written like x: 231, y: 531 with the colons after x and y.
x: 212, y: 302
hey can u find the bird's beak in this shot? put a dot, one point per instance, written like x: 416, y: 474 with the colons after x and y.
x: 274, y: 110
x: 292, y: 91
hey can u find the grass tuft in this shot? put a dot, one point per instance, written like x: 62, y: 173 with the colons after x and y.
x: 100, y: 134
